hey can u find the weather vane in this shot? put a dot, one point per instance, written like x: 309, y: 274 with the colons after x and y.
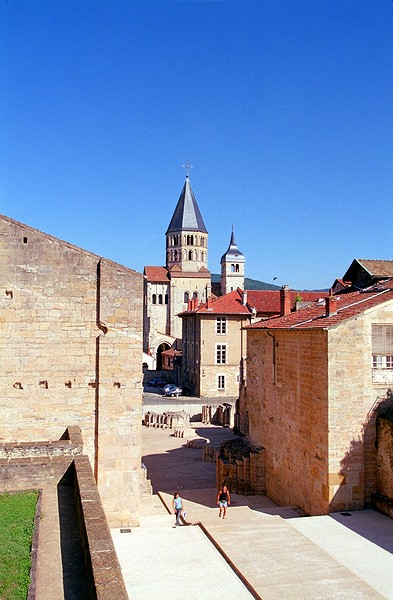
x: 187, y: 167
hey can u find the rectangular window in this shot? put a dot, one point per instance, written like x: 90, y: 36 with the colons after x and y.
x: 221, y: 354
x: 382, y: 353
x: 221, y: 382
x: 221, y: 325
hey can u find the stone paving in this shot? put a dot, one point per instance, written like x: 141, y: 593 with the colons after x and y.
x: 278, y: 553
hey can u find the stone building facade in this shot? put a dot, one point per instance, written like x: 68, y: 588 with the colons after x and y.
x: 70, y: 348
x: 214, y: 345
x: 314, y: 381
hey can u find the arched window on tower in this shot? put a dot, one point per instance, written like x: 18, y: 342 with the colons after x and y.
x: 186, y: 297
x: 202, y: 241
x: 190, y: 255
x: 190, y: 240
x: 166, y: 298
x: 232, y: 268
x: 160, y: 299
x: 154, y: 299
x: 175, y: 254
x: 237, y: 268
x: 195, y: 295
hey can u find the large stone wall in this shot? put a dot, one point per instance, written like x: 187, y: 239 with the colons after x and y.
x: 70, y: 347
x: 312, y: 404
x: 287, y: 414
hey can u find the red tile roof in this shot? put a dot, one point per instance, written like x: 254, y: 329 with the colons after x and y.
x: 230, y: 304
x: 156, y: 274
x: 268, y: 301
x: 314, y: 316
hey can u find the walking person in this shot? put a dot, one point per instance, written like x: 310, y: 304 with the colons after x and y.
x: 223, y: 501
x: 177, y: 505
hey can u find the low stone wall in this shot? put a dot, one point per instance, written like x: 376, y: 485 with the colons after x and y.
x: 29, y: 465
x: 218, y: 414
x: 241, y: 467
x: 103, y: 571
x: 167, y: 420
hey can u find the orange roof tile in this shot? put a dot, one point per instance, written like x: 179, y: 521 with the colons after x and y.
x: 314, y: 316
x: 268, y: 301
x: 230, y: 304
x: 156, y: 274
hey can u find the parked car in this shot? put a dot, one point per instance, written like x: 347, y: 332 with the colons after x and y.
x: 172, y: 390
x: 157, y: 382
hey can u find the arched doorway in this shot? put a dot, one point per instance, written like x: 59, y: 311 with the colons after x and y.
x: 161, y: 348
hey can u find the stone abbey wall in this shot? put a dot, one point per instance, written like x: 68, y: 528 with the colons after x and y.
x: 70, y: 348
x: 311, y: 403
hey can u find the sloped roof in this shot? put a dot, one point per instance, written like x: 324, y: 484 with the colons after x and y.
x: 268, y: 301
x: 230, y: 304
x: 314, y: 315
x: 378, y: 268
x: 187, y: 216
x: 156, y: 274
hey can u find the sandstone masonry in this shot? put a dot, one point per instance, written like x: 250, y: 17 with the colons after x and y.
x: 70, y: 351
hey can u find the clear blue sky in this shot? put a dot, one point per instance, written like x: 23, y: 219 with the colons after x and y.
x: 283, y: 107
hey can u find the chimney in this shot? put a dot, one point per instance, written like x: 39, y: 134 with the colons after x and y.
x: 331, y: 306
x: 209, y: 303
x: 285, y: 301
x: 244, y: 298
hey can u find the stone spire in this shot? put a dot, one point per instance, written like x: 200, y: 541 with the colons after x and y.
x: 186, y: 236
x: 187, y: 216
x: 232, y: 267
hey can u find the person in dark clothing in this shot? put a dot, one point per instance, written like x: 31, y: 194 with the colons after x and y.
x: 223, y: 500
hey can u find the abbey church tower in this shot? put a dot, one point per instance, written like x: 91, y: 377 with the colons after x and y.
x: 232, y: 268
x: 185, y: 277
x: 186, y: 237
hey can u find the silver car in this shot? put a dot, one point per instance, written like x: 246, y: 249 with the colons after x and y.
x: 172, y: 390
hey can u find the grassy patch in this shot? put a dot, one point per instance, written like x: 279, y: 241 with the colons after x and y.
x: 17, y: 512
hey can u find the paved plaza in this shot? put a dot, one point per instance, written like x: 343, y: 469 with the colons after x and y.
x: 260, y: 551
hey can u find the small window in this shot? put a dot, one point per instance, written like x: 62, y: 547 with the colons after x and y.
x: 221, y: 325
x: 237, y: 268
x: 166, y: 298
x: 190, y: 255
x: 154, y: 299
x: 232, y: 268
x: 221, y: 382
x: 186, y: 297
x: 221, y: 354
x: 160, y: 299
